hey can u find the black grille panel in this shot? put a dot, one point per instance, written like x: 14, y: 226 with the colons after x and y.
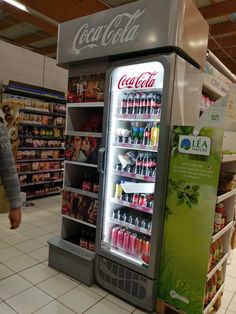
x: 123, y: 279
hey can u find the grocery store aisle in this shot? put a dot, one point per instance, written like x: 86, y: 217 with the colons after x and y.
x: 28, y: 285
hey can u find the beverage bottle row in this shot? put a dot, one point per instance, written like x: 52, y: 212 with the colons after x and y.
x: 140, y: 103
x: 144, y: 164
x: 133, y: 219
x: 90, y: 183
x: 87, y: 240
x: 145, y: 200
x: 212, y: 286
x: 130, y: 243
x: 141, y: 133
x: 216, y: 253
x: 220, y: 219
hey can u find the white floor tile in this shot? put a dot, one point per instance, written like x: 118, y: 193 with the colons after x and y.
x: 6, y: 309
x: 40, y: 255
x: 106, y: 307
x: 232, y: 305
x: 54, y: 307
x: 25, y: 226
x: 230, y: 284
x: 231, y: 270
x: 51, y: 227
x: 39, y: 222
x: 28, y: 246
x: 43, y: 239
x: 98, y: 290
x: 12, y: 285
x: 3, y: 244
x: 230, y: 312
x: 38, y: 273
x: 8, y: 253
x: 120, y: 303
x: 15, y: 239
x: 5, y: 272
x: 20, y: 263
x: 29, y: 301
x: 37, y: 232
x: 57, y: 285
x: 227, y: 296
x: 79, y: 299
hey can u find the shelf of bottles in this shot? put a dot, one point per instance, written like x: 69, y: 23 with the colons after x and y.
x: 130, y: 174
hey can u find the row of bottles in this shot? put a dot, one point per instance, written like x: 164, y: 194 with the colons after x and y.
x: 140, y: 103
x: 130, y: 243
x: 220, y: 219
x: 212, y: 286
x: 140, y: 133
x: 216, y: 253
x: 141, y: 164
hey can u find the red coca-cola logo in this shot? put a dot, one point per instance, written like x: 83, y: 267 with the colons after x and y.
x: 145, y: 80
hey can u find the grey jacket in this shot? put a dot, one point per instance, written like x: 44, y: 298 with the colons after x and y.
x: 8, y: 173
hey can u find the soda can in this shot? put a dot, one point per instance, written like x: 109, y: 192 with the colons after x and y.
x: 120, y: 238
x: 114, y: 236
x: 138, y: 246
x: 132, y: 243
x: 126, y: 241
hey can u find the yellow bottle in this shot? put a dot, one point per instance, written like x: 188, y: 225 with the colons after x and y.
x: 154, y: 135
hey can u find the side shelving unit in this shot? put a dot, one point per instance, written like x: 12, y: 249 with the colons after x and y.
x: 215, y: 86
x: 37, y: 136
x: 74, y: 252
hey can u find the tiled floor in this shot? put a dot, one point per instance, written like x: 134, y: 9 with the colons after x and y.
x: 28, y: 285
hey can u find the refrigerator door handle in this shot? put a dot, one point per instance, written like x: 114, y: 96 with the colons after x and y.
x: 101, y: 159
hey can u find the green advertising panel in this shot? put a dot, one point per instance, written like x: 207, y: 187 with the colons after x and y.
x: 190, y: 206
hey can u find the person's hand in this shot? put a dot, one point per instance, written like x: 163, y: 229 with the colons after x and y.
x: 15, y: 218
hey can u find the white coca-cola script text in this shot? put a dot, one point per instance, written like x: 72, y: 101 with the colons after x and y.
x: 145, y: 80
x: 122, y: 28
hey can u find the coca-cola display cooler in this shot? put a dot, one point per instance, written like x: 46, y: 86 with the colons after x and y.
x: 153, y: 82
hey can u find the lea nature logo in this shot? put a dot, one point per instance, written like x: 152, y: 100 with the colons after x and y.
x: 195, y: 145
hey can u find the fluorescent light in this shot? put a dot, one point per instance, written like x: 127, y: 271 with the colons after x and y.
x: 17, y: 5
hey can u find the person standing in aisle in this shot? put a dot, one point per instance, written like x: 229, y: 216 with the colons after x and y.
x: 9, y: 177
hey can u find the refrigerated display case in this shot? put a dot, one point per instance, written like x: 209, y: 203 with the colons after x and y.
x: 152, y: 78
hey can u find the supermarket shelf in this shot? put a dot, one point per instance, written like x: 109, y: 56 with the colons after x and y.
x: 43, y: 194
x: 138, y: 117
x: 80, y: 221
x: 79, y: 191
x: 40, y: 148
x: 88, y: 134
x: 228, y: 158
x: 217, y: 266
x: 133, y: 206
x: 41, y: 125
x: 228, y: 227
x: 131, y: 227
x: 150, y: 148
x: 208, y: 309
x: 39, y: 137
x: 39, y: 160
x: 223, y: 197
x: 84, y: 164
x: 45, y: 113
x: 40, y: 171
x: 134, y: 176
x: 41, y: 182
x: 86, y: 105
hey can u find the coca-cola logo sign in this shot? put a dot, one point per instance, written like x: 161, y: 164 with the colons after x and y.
x: 121, y: 29
x: 144, y: 80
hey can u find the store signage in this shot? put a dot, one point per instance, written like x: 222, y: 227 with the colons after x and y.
x: 195, y: 145
x: 122, y: 28
x: 144, y: 80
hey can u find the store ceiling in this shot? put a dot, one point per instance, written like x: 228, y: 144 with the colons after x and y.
x: 38, y: 33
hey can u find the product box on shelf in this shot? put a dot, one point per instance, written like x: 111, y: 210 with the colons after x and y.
x: 80, y: 207
x: 82, y: 149
x: 86, y: 88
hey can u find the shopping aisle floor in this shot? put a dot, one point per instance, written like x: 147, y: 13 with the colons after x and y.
x: 28, y: 285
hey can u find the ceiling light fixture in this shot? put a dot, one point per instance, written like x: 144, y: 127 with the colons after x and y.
x: 17, y: 5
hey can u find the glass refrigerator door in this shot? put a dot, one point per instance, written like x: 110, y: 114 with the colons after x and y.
x: 130, y: 174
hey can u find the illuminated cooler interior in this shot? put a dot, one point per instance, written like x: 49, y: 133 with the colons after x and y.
x: 144, y: 80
